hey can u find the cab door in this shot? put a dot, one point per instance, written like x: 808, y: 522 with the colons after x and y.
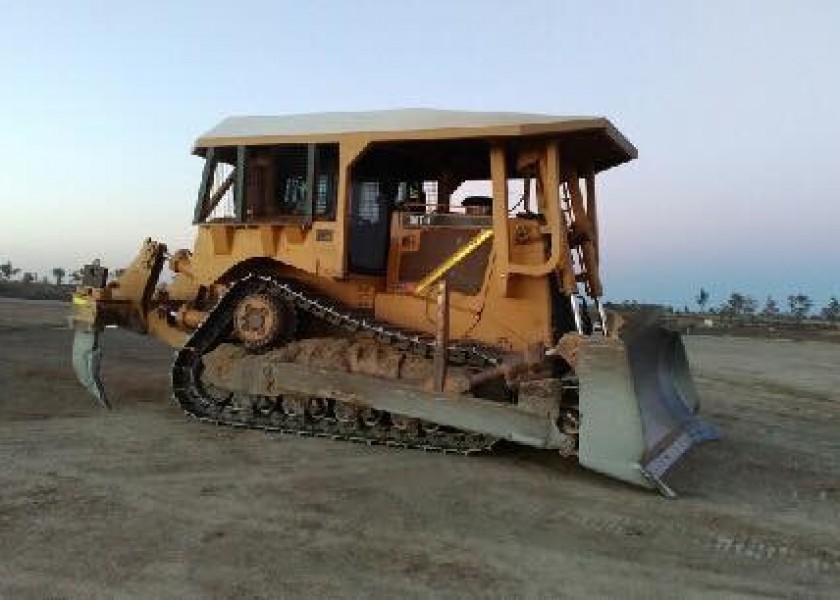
x: 370, y: 209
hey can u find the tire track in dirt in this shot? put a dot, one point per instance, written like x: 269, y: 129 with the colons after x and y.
x: 809, y: 559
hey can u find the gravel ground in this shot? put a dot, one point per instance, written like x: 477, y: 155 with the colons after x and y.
x: 142, y: 503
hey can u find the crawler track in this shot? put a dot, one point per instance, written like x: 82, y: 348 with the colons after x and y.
x: 288, y: 414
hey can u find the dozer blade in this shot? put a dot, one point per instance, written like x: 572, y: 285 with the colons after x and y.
x: 638, y: 406
x: 87, y: 358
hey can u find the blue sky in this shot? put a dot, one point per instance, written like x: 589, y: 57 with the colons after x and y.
x: 734, y: 106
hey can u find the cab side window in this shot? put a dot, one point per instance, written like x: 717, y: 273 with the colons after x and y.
x: 269, y: 183
x: 296, y: 167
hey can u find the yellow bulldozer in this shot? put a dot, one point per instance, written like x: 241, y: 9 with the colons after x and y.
x: 418, y: 278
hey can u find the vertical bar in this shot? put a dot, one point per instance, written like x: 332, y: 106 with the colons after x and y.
x: 501, y: 238
x: 549, y: 204
x: 310, y: 180
x: 206, y: 185
x: 592, y: 210
x: 526, y: 196
x: 239, y: 184
x: 576, y: 313
x: 348, y: 152
x: 587, y: 247
x: 602, y: 316
x: 442, y: 342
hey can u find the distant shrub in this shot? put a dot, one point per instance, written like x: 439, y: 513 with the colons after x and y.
x: 33, y: 290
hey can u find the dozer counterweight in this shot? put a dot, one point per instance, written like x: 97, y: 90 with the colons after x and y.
x: 413, y: 277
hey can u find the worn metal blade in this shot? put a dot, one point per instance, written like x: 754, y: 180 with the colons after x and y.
x: 612, y: 437
x: 638, y: 406
x: 664, y: 386
x: 87, y: 359
x: 668, y: 400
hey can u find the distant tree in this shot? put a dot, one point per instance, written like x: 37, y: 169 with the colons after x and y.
x: 800, y: 305
x: 831, y: 312
x: 702, y: 299
x: 7, y: 270
x: 29, y: 277
x: 738, y: 304
x: 770, y: 309
x: 59, y: 274
x: 76, y: 276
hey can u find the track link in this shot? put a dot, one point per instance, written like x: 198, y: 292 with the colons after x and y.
x: 271, y: 414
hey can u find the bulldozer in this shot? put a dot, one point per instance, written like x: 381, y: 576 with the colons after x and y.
x: 417, y: 278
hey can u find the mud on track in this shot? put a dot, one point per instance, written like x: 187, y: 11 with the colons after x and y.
x: 141, y: 502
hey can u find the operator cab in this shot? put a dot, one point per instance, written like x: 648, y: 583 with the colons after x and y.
x: 399, y: 199
x: 392, y: 187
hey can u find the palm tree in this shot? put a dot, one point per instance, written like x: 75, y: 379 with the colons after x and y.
x: 59, y: 274
x: 7, y: 270
x: 771, y: 309
x: 738, y: 304
x: 702, y: 299
x: 831, y: 312
x: 800, y: 305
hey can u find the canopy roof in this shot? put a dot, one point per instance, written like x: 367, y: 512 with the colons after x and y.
x: 597, y: 138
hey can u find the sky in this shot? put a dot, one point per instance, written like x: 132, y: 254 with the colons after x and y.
x: 734, y: 107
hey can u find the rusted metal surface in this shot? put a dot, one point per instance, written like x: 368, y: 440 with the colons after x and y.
x: 229, y: 368
x: 262, y: 319
x: 567, y: 348
x: 181, y: 262
x: 361, y: 356
x: 533, y: 359
x: 342, y: 419
x: 442, y: 341
x: 189, y: 318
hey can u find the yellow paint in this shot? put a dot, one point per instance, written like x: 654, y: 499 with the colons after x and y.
x: 511, y: 309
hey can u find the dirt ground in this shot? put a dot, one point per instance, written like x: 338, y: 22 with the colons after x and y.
x: 140, y: 502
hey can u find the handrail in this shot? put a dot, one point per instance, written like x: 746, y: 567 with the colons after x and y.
x: 560, y: 253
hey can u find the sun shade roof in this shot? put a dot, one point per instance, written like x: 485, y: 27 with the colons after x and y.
x: 607, y: 146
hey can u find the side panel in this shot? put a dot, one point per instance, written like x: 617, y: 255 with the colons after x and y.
x: 512, y: 322
x: 219, y: 247
x: 510, y: 313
